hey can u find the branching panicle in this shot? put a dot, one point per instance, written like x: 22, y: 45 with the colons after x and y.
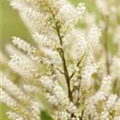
x: 60, y: 75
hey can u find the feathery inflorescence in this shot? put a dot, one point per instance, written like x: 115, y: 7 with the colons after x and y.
x: 60, y: 70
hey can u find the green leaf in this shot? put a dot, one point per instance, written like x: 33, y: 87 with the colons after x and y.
x: 45, y: 116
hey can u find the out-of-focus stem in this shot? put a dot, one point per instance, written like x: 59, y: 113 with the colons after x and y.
x: 106, y: 47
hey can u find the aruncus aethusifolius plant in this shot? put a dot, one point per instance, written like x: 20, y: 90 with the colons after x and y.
x: 60, y: 69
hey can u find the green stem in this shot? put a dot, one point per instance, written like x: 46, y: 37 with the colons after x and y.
x: 66, y: 74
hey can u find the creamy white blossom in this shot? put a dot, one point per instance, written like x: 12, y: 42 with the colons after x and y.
x: 60, y: 74
x: 24, y: 66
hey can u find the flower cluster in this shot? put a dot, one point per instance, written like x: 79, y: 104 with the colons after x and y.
x: 60, y: 74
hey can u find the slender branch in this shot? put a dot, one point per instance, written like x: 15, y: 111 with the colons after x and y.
x: 106, y: 48
x: 62, y: 55
x: 78, y: 63
x: 60, y: 71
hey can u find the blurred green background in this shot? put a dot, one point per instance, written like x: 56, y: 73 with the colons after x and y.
x: 11, y: 25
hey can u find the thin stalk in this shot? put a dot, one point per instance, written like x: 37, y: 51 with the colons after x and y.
x: 62, y: 55
x: 106, y: 48
x: 66, y: 74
